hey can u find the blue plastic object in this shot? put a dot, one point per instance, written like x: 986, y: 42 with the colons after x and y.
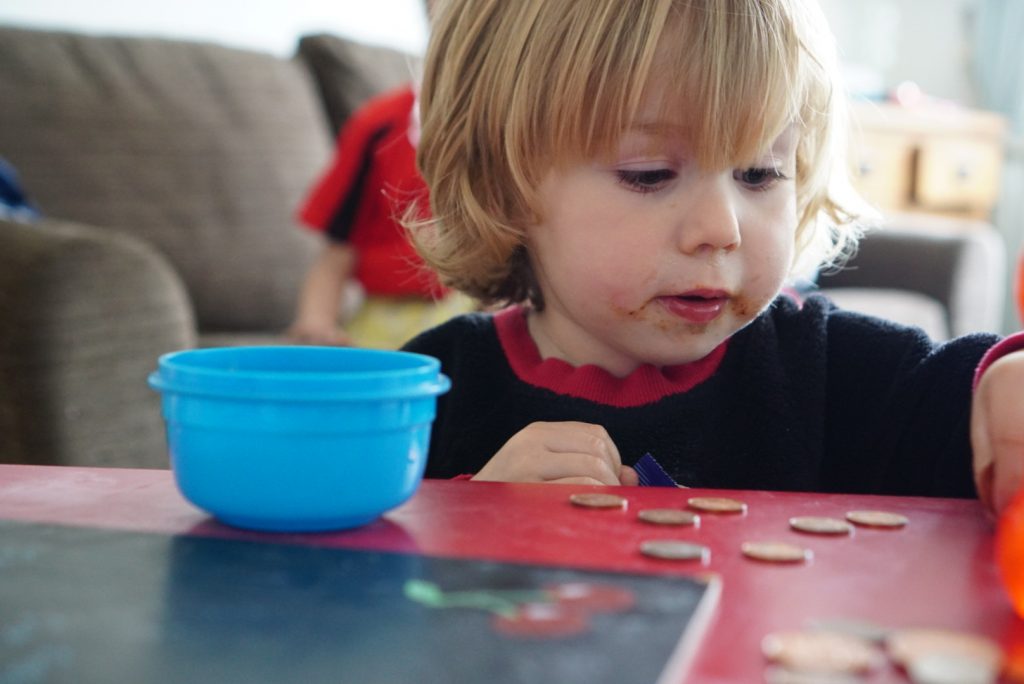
x: 298, y: 438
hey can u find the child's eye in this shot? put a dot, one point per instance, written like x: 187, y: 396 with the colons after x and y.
x: 647, y: 180
x: 758, y: 178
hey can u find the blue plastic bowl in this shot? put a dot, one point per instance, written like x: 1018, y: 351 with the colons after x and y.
x: 298, y: 438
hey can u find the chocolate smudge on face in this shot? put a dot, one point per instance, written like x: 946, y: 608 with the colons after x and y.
x: 665, y: 325
x: 742, y: 308
x: 635, y: 314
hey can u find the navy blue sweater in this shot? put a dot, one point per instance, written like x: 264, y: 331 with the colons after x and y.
x: 807, y: 398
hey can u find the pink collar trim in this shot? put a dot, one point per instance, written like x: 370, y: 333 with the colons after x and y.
x: 645, y: 385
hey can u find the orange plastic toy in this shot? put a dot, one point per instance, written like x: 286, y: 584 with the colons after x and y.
x: 1010, y: 551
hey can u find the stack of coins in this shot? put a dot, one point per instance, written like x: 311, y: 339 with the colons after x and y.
x: 669, y: 517
x: 877, y: 519
x: 597, y: 500
x: 820, y: 655
x: 936, y: 656
x: 776, y: 552
x: 673, y: 549
x: 717, y: 504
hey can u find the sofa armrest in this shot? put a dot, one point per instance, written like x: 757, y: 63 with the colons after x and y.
x: 962, y: 267
x: 85, y: 313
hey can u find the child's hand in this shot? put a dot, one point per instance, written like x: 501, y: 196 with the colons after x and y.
x: 322, y: 333
x: 565, y: 453
x: 997, y: 432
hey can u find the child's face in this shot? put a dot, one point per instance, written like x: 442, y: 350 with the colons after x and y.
x: 647, y: 259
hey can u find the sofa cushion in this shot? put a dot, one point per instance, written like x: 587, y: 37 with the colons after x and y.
x: 202, y: 150
x: 86, y: 313
x: 348, y: 73
x: 902, y: 306
x: 958, y: 263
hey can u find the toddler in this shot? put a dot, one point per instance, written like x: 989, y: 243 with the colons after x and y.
x: 357, y: 205
x: 636, y: 181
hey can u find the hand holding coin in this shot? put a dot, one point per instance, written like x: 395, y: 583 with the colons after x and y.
x: 563, y: 452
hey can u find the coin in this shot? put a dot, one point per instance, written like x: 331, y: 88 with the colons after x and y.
x: 906, y: 646
x: 877, y: 518
x: 783, y: 675
x: 775, y: 552
x: 668, y: 516
x: 672, y: 549
x: 717, y: 504
x: 937, y: 668
x: 820, y: 525
x: 821, y: 652
x: 597, y: 500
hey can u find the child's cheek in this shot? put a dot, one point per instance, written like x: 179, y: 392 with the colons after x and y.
x: 745, y: 309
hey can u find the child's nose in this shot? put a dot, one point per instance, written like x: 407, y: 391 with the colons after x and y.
x: 708, y: 222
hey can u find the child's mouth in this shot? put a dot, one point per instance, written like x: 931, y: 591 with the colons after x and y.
x: 697, y: 306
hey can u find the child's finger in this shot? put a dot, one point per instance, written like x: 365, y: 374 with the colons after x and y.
x: 1006, y: 442
x: 997, y: 433
x: 586, y: 438
x: 560, y: 466
x: 576, y: 481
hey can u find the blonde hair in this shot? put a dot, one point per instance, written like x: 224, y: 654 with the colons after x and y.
x: 512, y: 88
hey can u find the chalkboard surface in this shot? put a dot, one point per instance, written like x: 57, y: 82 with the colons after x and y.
x: 89, y: 605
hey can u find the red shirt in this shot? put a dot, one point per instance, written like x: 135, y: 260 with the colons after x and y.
x: 363, y: 195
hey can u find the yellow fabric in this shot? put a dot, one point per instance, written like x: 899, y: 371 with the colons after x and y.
x: 390, y: 322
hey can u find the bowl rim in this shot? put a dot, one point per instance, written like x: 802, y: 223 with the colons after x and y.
x: 420, y: 377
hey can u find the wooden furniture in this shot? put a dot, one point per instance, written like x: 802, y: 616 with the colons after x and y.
x: 931, y: 158
x: 935, y: 572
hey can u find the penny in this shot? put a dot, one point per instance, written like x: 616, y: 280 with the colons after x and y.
x: 597, y: 500
x: 877, y: 518
x: 820, y: 525
x: 717, y: 504
x: 775, y: 552
x: 906, y: 646
x: 951, y: 669
x: 783, y: 675
x: 672, y: 549
x: 821, y: 652
x: 668, y: 516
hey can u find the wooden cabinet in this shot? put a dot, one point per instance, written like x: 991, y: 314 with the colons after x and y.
x: 933, y: 159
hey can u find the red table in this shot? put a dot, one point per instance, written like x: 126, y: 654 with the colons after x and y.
x: 936, y: 572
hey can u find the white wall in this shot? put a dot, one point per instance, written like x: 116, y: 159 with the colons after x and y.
x: 272, y: 25
x: 925, y: 41
x: 920, y: 40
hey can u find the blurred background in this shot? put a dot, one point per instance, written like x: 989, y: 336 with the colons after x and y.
x: 940, y: 137
x: 271, y: 25
x: 153, y: 157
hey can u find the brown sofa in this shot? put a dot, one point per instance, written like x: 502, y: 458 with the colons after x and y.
x: 168, y: 173
x: 944, y: 275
